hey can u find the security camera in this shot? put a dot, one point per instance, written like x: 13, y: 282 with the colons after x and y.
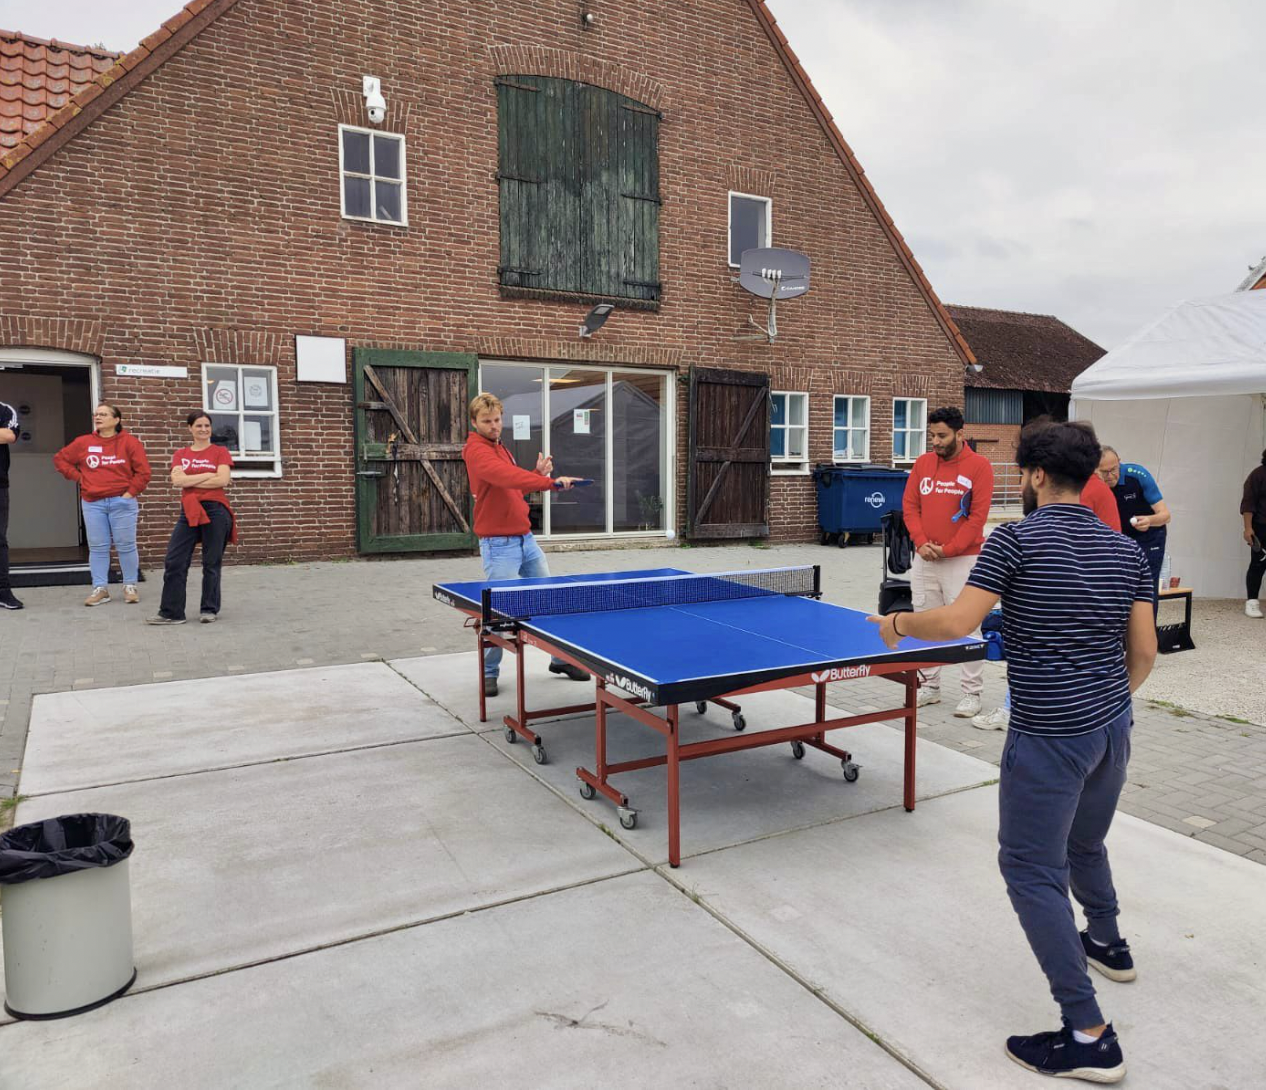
x: 375, y: 104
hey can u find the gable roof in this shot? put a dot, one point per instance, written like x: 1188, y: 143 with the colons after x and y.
x: 1256, y: 277
x: 1024, y: 351
x: 105, y: 89
x: 38, y: 78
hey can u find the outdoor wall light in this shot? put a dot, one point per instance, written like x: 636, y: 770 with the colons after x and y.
x: 375, y: 104
x: 975, y: 368
x: 594, y: 319
x: 587, y: 19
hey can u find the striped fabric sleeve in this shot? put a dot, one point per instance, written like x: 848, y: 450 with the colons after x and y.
x: 998, y: 561
x: 1145, y: 590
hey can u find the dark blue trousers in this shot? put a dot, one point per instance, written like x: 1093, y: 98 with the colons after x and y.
x: 1056, y: 800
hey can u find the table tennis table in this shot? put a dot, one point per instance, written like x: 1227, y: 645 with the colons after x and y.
x: 664, y: 637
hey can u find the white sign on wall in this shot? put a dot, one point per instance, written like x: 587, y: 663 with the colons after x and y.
x: 255, y: 392
x: 580, y: 421
x: 320, y: 359
x: 225, y: 395
x: 150, y: 370
x: 522, y: 427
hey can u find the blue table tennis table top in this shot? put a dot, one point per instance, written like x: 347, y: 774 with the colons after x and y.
x: 674, y: 654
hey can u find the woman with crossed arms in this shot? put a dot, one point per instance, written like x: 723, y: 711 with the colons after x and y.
x: 202, y: 472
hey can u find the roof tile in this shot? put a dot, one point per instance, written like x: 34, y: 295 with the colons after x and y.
x: 43, y: 76
x: 1023, y: 351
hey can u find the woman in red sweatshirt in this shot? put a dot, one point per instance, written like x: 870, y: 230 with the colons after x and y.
x: 111, y: 469
x: 201, y: 471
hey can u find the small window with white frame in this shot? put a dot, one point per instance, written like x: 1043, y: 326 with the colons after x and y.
x: 242, y: 403
x: 788, y: 432
x: 851, y: 429
x: 909, y: 428
x: 750, y: 224
x: 371, y: 175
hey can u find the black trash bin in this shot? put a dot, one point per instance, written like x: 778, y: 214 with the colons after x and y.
x: 67, y: 919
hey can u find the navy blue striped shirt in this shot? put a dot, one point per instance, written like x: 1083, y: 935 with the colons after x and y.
x: 1067, y: 584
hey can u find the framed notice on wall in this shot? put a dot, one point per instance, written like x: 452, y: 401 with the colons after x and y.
x: 255, y: 392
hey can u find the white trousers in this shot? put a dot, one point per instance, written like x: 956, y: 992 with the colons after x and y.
x: 936, y: 583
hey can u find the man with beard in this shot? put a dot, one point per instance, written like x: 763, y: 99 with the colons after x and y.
x: 1080, y: 637
x: 946, y: 502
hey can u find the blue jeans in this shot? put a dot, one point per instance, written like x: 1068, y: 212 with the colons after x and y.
x: 111, y: 521
x: 1056, y: 800
x: 509, y: 558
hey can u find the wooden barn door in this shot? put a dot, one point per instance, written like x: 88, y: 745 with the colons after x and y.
x: 412, y: 493
x: 727, y: 490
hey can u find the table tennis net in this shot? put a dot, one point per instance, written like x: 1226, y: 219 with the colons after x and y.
x: 603, y: 596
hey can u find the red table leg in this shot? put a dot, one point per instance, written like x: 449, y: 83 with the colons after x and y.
x: 912, y: 711
x: 479, y: 666
x: 674, y: 790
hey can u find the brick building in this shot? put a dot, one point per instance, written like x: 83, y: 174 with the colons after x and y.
x: 234, y: 217
x: 1027, y: 366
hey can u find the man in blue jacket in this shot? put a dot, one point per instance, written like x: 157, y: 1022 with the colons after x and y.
x: 1144, y: 514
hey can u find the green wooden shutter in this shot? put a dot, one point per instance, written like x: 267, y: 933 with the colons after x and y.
x: 523, y: 111
x: 638, y: 200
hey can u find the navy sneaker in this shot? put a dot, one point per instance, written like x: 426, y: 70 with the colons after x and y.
x: 1113, y: 961
x: 7, y: 601
x: 1059, y: 1054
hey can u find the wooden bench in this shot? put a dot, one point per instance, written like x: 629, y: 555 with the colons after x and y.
x: 1175, y: 637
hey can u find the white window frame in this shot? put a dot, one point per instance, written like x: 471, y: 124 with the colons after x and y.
x: 786, y: 465
x: 865, y: 454
x: 244, y: 465
x: 729, y: 221
x: 403, y: 221
x: 667, y: 451
x: 920, y: 433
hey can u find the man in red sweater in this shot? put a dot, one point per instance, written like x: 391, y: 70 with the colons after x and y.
x: 946, y: 503
x: 506, y: 544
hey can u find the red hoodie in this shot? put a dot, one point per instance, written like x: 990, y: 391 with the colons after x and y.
x: 104, y: 468
x: 937, y: 491
x: 499, y: 486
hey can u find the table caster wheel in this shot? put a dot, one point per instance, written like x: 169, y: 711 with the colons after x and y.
x: 701, y: 706
x: 586, y: 790
x: 842, y: 541
x: 739, y: 722
x: 851, y: 770
x: 797, y: 750
x: 538, y: 755
x: 511, y: 737
x: 628, y: 818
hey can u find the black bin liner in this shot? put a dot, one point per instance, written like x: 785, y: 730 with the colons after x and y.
x: 61, y: 845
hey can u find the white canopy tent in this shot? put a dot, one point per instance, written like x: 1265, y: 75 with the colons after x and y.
x: 1186, y: 397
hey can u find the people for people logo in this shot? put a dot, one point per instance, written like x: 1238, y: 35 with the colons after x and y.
x: 925, y: 486
x: 93, y: 461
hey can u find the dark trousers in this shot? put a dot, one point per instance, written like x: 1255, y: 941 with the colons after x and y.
x: 1154, y: 551
x: 1056, y: 799
x: 184, y: 538
x: 4, y: 538
x: 1256, y: 563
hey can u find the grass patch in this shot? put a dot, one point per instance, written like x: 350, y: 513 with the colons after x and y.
x: 1237, y: 719
x: 7, y: 809
x: 1175, y: 710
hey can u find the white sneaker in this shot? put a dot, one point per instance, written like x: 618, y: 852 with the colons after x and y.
x: 928, y: 696
x: 998, y: 719
x: 1252, y: 608
x: 968, y: 707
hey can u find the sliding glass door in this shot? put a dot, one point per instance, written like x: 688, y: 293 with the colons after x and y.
x: 607, y: 425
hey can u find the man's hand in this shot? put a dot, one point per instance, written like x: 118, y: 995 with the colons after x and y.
x: 563, y: 484
x: 929, y: 551
x: 544, y: 464
x: 1250, y: 537
x: 887, y: 629
x: 128, y: 496
x: 1141, y: 522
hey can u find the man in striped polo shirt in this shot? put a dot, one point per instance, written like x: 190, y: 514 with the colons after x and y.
x: 1077, y: 620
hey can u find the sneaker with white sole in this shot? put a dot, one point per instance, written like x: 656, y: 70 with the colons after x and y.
x: 968, y: 707
x: 130, y: 595
x: 928, y: 695
x: 99, y: 596
x: 1060, y: 1054
x: 1253, y: 608
x: 1114, y: 960
x: 998, y: 719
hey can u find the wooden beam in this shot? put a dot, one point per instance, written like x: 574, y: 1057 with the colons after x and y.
x: 396, y: 414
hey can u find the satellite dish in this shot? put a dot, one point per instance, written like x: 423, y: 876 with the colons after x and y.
x: 773, y: 273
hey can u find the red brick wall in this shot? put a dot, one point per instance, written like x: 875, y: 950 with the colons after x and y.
x: 998, y: 443
x: 198, y: 220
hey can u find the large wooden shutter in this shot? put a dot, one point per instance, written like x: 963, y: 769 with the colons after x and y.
x: 728, y: 483
x: 579, y: 189
x: 412, y: 492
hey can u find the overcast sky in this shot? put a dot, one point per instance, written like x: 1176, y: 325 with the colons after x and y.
x: 1096, y: 159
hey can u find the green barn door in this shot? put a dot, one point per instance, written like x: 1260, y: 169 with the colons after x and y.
x: 412, y: 493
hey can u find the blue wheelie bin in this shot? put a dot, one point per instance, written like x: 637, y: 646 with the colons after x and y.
x: 853, y: 498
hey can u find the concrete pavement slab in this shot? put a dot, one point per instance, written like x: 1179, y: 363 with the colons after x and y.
x: 907, y: 926
x: 244, y: 864
x: 102, y: 736
x: 623, y: 982
x: 450, y: 681
x: 735, y: 797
